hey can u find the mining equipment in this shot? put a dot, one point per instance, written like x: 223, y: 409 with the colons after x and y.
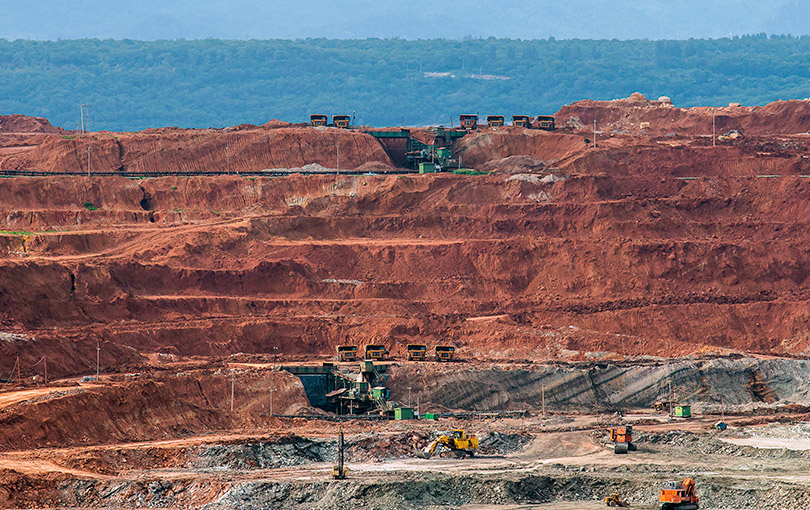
x: 342, y: 390
x: 457, y: 442
x: 679, y: 496
x: 445, y: 352
x: 341, y: 121
x: 616, y: 500
x: 347, y: 352
x: 339, y: 470
x: 621, y: 439
x: 376, y: 352
x: 417, y: 352
x: 545, y: 122
x: 468, y: 121
x: 731, y: 135
x: 495, y: 120
x: 522, y: 121
x: 317, y: 119
x: 664, y: 406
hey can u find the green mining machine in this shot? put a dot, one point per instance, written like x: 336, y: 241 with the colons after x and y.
x: 408, y: 152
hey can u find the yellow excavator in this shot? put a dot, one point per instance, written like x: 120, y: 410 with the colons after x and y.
x: 458, y: 442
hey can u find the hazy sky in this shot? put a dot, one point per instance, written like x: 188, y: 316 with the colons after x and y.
x: 526, y: 19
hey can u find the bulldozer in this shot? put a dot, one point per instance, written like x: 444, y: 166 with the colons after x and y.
x: 622, y: 439
x: 679, y: 496
x: 616, y: 500
x: 458, y: 442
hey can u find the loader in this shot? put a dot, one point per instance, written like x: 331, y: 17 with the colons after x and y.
x: 458, y: 442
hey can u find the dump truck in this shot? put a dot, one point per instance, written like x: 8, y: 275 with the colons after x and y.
x: 679, y: 496
x: 495, y: 120
x: 522, y: 121
x: 445, y: 352
x: 339, y: 470
x: 457, y: 442
x: 347, y: 352
x: 417, y: 352
x: 621, y: 439
x: 616, y: 500
x: 342, y: 121
x: 545, y: 122
x: 376, y: 352
x: 468, y: 121
x: 318, y: 119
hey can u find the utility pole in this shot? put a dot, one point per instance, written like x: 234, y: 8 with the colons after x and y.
x: 81, y: 116
x: 98, y: 359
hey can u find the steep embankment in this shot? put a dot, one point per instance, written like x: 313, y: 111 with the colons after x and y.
x: 504, y: 266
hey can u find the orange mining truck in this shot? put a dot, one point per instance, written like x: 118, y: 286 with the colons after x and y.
x: 522, y: 121
x: 342, y: 121
x: 417, y: 352
x: 468, y: 121
x: 495, y: 120
x: 679, y: 496
x: 545, y: 122
x: 622, y: 439
x: 317, y: 119
x: 445, y: 352
x: 376, y: 352
x: 347, y: 352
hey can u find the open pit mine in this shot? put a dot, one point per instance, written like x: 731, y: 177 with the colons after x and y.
x: 603, y: 308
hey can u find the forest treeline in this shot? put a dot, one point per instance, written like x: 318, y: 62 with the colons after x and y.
x: 133, y: 85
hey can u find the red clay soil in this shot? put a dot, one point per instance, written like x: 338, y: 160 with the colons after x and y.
x: 239, y: 149
x: 627, y: 116
x: 149, y: 407
x: 24, y: 124
x: 642, y: 246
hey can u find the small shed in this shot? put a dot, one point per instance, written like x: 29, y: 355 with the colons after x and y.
x: 683, y: 411
x: 403, y: 413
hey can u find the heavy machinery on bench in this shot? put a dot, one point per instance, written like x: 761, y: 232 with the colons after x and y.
x: 457, y: 442
x: 376, y: 352
x: 445, y: 352
x: 616, y: 500
x: 621, y: 439
x: 347, y: 352
x: 417, y: 352
x: 679, y: 496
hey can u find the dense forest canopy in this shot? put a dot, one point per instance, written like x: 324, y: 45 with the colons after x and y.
x: 132, y: 85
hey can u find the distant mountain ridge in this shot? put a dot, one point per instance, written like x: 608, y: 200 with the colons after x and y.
x: 418, y: 19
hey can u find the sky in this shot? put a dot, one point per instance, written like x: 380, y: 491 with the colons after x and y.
x: 414, y: 19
